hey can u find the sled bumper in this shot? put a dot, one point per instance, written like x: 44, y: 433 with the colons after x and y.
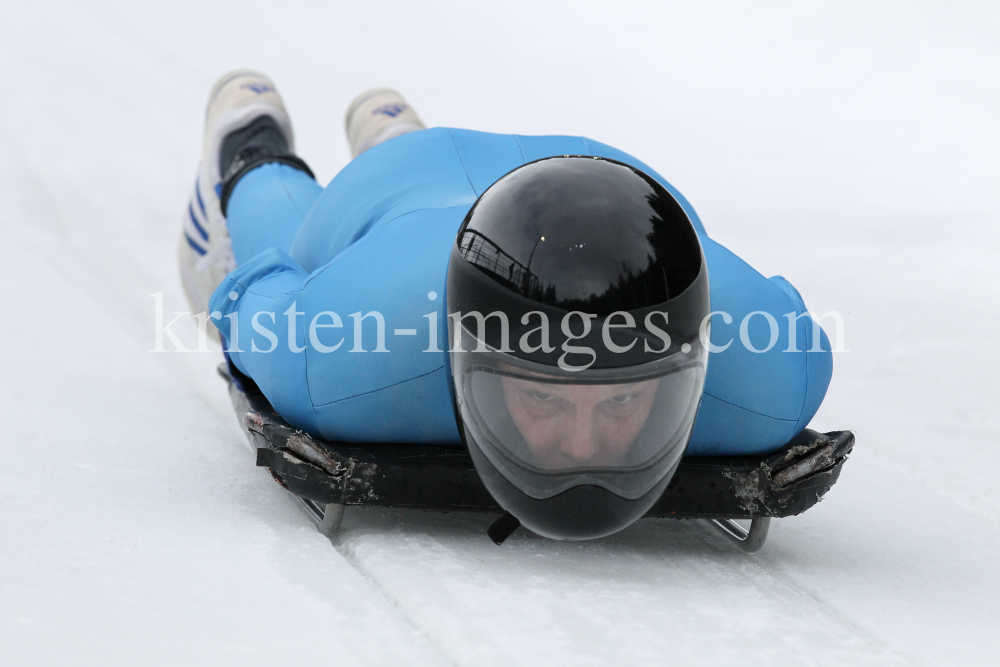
x: 783, y: 483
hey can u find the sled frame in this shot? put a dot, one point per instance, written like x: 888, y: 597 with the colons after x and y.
x: 325, y: 477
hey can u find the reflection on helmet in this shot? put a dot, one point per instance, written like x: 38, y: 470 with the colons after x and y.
x: 576, y: 290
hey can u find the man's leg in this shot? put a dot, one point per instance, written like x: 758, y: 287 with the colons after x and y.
x: 248, y: 134
x: 266, y: 208
x: 376, y: 116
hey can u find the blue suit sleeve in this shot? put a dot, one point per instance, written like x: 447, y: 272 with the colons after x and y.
x: 811, y: 338
x: 766, y: 378
x: 254, y: 309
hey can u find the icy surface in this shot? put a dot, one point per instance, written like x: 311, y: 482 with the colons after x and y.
x: 851, y: 148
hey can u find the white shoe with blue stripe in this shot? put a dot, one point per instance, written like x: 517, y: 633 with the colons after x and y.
x: 206, y: 256
x: 376, y: 116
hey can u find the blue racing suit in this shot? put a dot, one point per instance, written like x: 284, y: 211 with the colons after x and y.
x: 313, y: 263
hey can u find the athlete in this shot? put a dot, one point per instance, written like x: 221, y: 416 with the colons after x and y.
x: 550, y: 303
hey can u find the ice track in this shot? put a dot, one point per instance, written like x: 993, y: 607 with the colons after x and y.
x: 850, y: 148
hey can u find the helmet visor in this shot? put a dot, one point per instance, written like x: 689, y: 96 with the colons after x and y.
x: 548, y: 430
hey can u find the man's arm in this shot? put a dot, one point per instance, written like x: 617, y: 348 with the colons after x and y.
x: 254, y: 309
x: 761, y: 389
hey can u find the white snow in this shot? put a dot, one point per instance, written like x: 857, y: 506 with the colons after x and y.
x: 851, y: 147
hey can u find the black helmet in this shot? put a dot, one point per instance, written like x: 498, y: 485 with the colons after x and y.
x: 576, y: 291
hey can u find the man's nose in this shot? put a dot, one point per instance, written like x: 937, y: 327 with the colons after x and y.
x: 579, y: 441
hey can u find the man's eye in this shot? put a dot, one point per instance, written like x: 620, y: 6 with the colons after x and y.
x: 622, y: 399
x: 540, y: 396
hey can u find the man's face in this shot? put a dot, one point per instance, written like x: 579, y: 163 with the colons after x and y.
x: 570, y: 426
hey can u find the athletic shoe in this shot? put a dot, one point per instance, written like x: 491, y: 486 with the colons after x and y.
x: 246, y: 124
x: 376, y: 116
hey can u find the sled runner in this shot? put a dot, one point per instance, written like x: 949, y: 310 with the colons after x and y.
x: 325, y: 477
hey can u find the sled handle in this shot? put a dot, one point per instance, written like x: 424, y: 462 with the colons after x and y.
x: 747, y: 540
x: 327, y: 517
